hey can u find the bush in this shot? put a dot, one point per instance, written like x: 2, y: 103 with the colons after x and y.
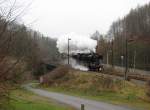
x: 56, y: 74
x: 4, y: 96
x: 106, y: 83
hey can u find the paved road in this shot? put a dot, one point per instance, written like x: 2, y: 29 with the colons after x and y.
x: 75, y: 101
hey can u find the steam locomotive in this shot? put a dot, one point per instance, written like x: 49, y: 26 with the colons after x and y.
x: 91, y: 60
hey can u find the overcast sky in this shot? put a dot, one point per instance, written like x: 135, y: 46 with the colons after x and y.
x: 56, y: 17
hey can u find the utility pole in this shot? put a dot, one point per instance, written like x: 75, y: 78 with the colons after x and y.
x: 126, y: 61
x: 112, y: 44
x: 68, y: 51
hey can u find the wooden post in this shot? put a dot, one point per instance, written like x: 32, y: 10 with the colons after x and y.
x: 82, y: 106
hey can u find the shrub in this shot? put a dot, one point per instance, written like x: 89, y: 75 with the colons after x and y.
x: 56, y: 74
x: 4, y: 96
x: 109, y: 84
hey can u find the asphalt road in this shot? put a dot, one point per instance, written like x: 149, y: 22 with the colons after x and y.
x: 75, y: 101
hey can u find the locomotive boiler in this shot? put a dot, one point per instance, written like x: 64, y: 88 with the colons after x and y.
x: 93, y: 61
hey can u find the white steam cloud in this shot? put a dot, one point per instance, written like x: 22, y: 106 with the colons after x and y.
x: 77, y: 43
x: 75, y: 64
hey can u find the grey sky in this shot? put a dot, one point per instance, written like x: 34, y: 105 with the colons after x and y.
x: 56, y: 17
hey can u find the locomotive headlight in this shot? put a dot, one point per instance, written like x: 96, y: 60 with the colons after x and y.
x: 100, y: 69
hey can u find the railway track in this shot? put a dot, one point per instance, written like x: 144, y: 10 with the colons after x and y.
x: 132, y: 74
x: 139, y: 79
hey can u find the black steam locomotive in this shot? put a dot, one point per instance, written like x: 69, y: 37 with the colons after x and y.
x: 91, y: 60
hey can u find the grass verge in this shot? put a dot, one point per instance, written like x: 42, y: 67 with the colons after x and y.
x: 25, y: 100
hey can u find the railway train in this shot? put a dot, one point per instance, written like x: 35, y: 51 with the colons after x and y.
x: 93, y: 61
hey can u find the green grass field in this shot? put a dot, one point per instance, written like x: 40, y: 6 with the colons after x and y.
x: 24, y: 100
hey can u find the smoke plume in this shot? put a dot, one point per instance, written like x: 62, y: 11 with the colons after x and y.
x: 75, y: 64
x: 77, y: 43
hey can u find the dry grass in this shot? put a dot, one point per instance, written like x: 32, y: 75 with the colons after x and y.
x: 148, y: 89
x: 55, y: 75
x: 86, y: 81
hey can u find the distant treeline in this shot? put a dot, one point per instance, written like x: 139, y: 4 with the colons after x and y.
x: 134, y: 29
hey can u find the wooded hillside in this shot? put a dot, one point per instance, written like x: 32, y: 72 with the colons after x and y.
x: 21, y: 51
x: 134, y: 29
